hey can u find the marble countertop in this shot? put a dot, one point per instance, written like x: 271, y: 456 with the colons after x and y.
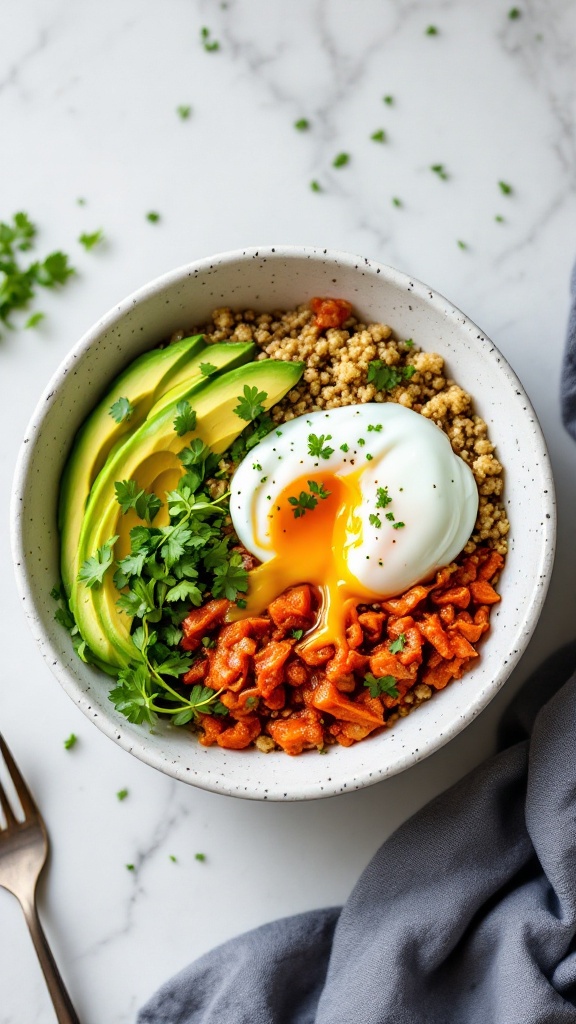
x: 88, y: 109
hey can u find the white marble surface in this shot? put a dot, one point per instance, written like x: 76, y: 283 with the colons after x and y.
x: 87, y: 109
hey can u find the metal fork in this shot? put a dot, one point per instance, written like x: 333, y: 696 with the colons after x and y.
x: 23, y: 852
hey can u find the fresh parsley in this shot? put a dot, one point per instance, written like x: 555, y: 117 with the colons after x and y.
x: 302, y: 124
x: 375, y: 520
x: 297, y: 633
x: 130, y: 496
x: 93, y: 570
x: 121, y: 410
x: 207, y: 368
x: 440, y: 171
x: 183, y: 111
x: 341, y: 159
x: 250, y: 403
x: 35, y: 319
x: 210, y: 45
x: 381, y: 684
x: 389, y: 100
x: 505, y: 188
x: 17, y: 280
x: 185, y: 420
x: 397, y: 646
x: 122, y: 794
x: 383, y: 499
x: 70, y: 742
x: 396, y: 201
x: 379, y: 135
x: 153, y: 217
x: 431, y: 30
x: 315, y: 186
x: 385, y: 378
x: 200, y: 856
x: 317, y: 446
x: 90, y: 239
x: 308, y: 500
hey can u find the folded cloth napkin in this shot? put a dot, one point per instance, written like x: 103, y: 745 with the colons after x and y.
x: 466, y: 915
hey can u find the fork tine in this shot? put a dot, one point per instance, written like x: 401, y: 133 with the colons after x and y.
x: 24, y: 794
x: 5, y: 805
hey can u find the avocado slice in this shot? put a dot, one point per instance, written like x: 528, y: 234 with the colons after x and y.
x: 150, y: 457
x: 144, y: 383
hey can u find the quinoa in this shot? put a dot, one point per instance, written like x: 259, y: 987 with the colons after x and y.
x: 337, y: 361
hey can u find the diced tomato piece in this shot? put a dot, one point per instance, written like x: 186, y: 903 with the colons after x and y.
x: 372, y: 624
x: 301, y: 731
x: 328, y: 698
x: 293, y: 609
x: 269, y: 665
x: 484, y: 593
x: 458, y: 596
x: 212, y: 728
x: 330, y: 312
x: 240, y: 735
x: 198, y: 622
x: 408, y: 601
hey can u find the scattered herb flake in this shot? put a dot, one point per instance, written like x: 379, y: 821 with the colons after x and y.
x: 183, y: 111
x: 396, y: 201
x: 440, y: 171
x: 398, y: 526
x: 185, y: 421
x: 397, y: 646
x: 302, y: 124
x: 297, y: 633
x: 317, y: 447
x: 122, y: 794
x: 381, y: 684
x: 383, y: 498
x: 35, y: 319
x: 250, y: 403
x: 153, y: 217
x: 514, y: 13
x: 130, y: 867
x: 18, y: 282
x: 315, y: 186
x: 200, y: 856
x: 375, y: 520
x: 431, y: 30
x: 379, y: 135
x: 461, y: 244
x: 210, y: 45
x: 90, y: 239
x: 172, y: 858
x: 207, y: 368
x: 121, y: 410
x: 499, y: 218
x: 341, y: 159
x: 505, y: 188
x: 385, y: 378
x: 388, y: 99
x: 70, y: 742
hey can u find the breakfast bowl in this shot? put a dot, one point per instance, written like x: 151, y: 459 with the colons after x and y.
x: 264, y: 280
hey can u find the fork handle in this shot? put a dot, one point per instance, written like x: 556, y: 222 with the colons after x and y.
x: 65, y: 1012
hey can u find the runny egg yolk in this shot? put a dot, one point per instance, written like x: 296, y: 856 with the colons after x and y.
x: 310, y: 545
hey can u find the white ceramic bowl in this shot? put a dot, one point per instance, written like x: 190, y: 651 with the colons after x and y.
x: 265, y: 279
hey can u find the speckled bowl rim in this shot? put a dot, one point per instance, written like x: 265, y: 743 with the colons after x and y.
x: 142, y: 750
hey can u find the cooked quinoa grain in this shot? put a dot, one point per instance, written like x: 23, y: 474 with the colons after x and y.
x: 337, y: 361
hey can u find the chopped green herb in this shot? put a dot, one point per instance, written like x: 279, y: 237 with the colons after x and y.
x: 396, y: 201
x: 439, y: 170
x: 398, y: 645
x: 35, y: 319
x: 315, y: 186
x: 208, y: 641
x: 153, y: 217
x: 383, y: 498
x: 81, y: 201
x: 185, y: 421
x: 249, y: 404
x: 70, y: 742
x: 122, y: 794
x: 388, y: 99
x: 381, y: 684
x: 183, y: 111
x: 92, y: 571
x: 461, y: 244
x: 121, y: 410
x: 390, y: 516
x: 409, y: 343
x: 172, y: 858
x: 89, y: 240
x: 18, y: 282
x: 505, y: 188
x: 374, y: 428
x: 431, y: 30
x: 130, y: 867
x: 379, y: 135
x: 361, y: 442
x: 344, y: 447
x: 369, y: 457
x: 200, y: 856
x: 210, y: 45
x: 341, y: 159
x: 398, y: 526
x: 302, y: 124
x: 375, y: 520
x: 385, y: 378
x: 318, y: 489
x: 514, y: 13
x: 317, y: 447
x: 207, y: 368
x: 129, y: 496
x: 499, y: 218
x: 297, y: 633
x: 251, y: 702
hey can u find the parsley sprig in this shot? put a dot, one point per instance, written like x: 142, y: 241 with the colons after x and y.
x: 317, y: 447
x: 385, y: 378
x: 381, y: 684
x: 18, y: 282
x: 250, y: 403
x: 308, y: 500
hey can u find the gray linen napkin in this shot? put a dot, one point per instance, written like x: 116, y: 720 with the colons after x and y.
x: 466, y: 915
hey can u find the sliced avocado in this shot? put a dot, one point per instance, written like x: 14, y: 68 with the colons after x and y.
x: 144, y: 383
x: 151, y: 458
